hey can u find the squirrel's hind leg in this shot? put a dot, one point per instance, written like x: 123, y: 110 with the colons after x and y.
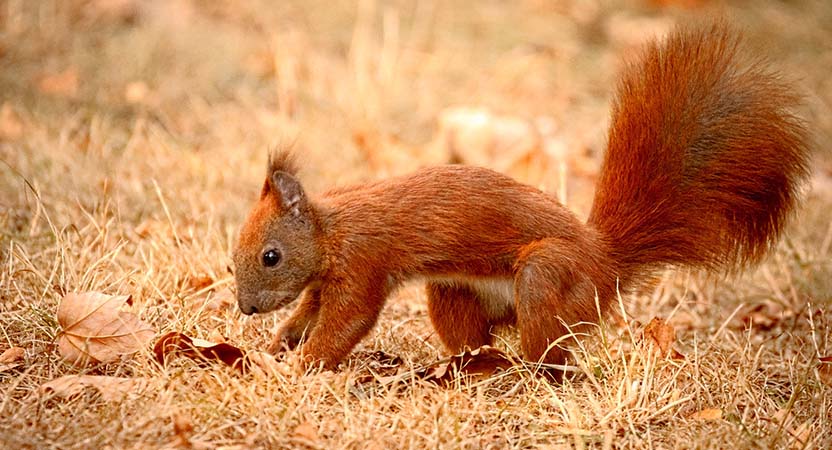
x: 458, y: 316
x: 557, y: 283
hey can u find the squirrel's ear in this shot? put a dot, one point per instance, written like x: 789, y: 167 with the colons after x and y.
x: 287, y: 190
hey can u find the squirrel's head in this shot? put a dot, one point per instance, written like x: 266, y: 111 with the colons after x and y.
x: 277, y: 254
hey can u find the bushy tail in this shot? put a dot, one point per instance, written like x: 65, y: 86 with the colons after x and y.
x: 705, y: 157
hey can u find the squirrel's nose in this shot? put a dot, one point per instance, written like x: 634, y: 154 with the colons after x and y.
x: 248, y: 310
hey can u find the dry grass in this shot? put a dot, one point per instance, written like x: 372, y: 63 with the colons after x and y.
x: 133, y: 138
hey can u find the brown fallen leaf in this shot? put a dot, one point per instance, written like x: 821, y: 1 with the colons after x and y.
x: 12, y: 358
x: 175, y: 344
x: 708, y: 414
x: 95, y: 328
x: 661, y: 335
x: 110, y: 388
x: 480, y: 363
x: 476, y: 364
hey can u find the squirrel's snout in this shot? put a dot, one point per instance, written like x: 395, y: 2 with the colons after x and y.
x: 263, y: 301
x: 247, y: 307
x: 248, y: 310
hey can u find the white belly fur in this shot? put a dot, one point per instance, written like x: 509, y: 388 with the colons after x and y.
x: 496, y: 294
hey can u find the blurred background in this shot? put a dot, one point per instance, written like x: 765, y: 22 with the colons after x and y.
x: 134, y: 137
x: 112, y: 93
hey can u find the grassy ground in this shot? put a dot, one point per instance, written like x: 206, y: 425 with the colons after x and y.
x: 133, y: 138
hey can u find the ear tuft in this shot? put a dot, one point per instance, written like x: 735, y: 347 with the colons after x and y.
x: 283, y: 161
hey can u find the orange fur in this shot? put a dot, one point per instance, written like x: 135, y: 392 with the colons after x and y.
x: 702, y: 170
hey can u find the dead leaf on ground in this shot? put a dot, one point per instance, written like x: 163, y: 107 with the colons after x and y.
x: 707, y: 414
x: 476, y: 364
x: 64, y: 84
x: 480, y: 363
x: 110, y: 388
x: 825, y: 370
x: 96, y: 328
x: 12, y: 358
x: 176, y: 344
x: 662, y: 336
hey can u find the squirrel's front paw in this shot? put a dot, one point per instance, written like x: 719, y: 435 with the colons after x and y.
x: 284, y: 341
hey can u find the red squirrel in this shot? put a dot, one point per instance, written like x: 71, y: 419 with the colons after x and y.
x: 704, y: 161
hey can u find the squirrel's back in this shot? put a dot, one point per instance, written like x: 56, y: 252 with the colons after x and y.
x: 705, y: 157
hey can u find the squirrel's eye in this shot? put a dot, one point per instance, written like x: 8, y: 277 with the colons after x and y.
x: 271, y: 258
